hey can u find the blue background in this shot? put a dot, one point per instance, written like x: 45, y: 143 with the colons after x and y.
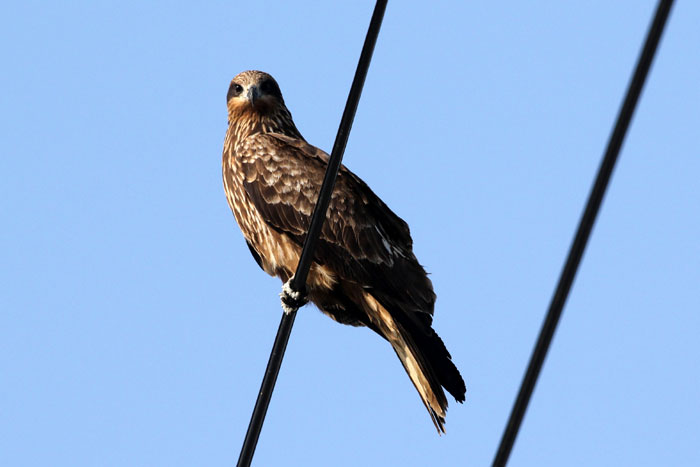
x: 135, y: 326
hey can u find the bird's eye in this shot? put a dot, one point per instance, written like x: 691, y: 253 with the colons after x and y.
x: 234, y: 90
x: 270, y: 87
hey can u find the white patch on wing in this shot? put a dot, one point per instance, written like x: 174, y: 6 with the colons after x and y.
x: 385, y: 242
x: 387, y: 245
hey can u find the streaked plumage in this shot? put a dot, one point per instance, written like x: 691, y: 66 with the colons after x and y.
x: 364, y: 271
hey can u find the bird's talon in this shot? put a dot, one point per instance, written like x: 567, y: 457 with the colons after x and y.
x: 291, y: 299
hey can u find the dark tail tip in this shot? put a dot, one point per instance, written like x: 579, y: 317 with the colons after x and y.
x: 445, y: 370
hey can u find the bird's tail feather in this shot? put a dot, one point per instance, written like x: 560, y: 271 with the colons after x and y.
x: 435, y: 354
x: 425, y: 359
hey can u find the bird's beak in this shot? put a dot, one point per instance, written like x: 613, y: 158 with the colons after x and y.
x: 253, y: 95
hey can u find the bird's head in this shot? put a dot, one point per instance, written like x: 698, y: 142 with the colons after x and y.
x: 254, y: 91
x: 255, y: 102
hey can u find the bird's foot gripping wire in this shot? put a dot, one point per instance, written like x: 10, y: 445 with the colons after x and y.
x: 291, y: 299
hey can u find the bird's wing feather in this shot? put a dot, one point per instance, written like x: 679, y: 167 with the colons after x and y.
x: 361, y: 240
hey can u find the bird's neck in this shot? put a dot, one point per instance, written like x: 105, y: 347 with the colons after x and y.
x: 247, y: 122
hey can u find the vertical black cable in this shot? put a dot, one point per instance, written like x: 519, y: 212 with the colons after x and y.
x: 582, y: 234
x: 318, y: 217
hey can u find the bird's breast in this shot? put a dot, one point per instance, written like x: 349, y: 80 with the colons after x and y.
x: 277, y: 252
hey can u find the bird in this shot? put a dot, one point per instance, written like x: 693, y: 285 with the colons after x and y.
x: 364, y: 271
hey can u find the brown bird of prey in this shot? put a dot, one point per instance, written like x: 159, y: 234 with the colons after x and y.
x: 364, y: 271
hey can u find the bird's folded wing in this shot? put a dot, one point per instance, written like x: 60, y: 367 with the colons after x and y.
x: 362, y: 239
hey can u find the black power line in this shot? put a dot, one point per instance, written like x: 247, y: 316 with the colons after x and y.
x: 319, y: 216
x: 582, y: 234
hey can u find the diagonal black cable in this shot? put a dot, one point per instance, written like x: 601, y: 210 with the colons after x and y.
x: 319, y: 215
x: 582, y: 234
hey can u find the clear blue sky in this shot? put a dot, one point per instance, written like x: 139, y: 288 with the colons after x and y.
x: 135, y: 326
